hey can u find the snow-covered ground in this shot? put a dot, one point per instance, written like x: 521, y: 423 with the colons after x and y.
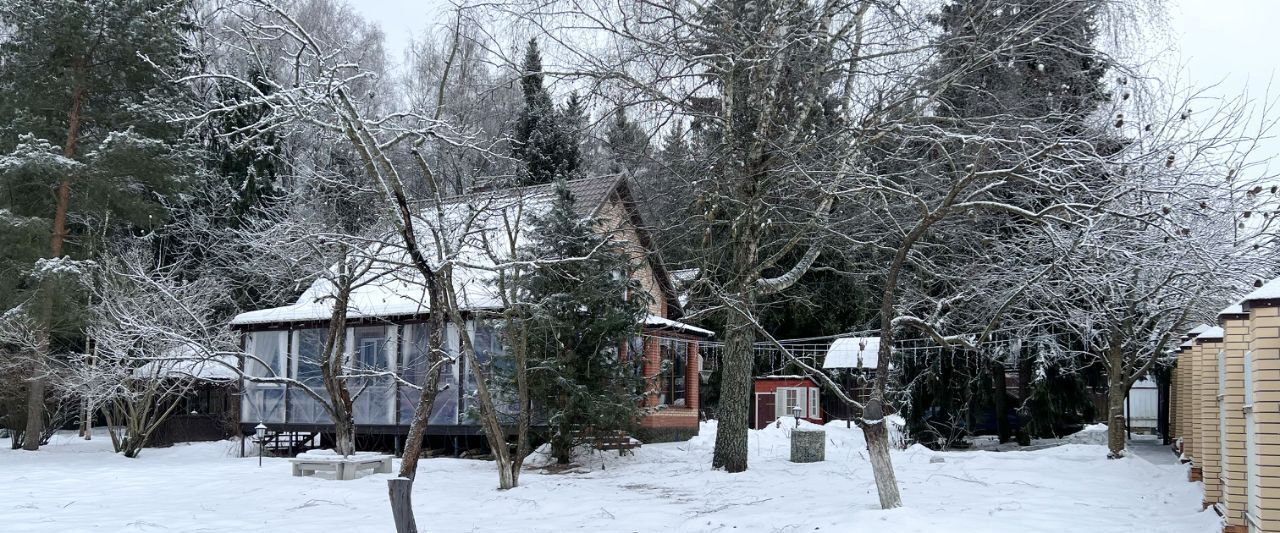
x: 73, y: 485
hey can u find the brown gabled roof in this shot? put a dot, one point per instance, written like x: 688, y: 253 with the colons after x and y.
x: 590, y: 196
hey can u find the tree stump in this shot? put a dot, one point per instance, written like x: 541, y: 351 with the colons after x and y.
x: 808, y: 445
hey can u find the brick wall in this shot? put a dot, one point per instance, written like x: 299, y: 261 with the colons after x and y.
x: 1210, y: 448
x: 1195, y: 387
x: 670, y: 423
x: 1174, y: 412
x: 1235, y: 344
x: 1184, y: 396
x: 1265, y: 344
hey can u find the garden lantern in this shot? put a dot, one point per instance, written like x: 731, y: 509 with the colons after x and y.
x: 260, y: 431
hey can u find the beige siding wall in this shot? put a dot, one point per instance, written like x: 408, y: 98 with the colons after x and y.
x: 1210, y: 450
x: 1235, y: 344
x: 1265, y: 344
x: 615, y: 219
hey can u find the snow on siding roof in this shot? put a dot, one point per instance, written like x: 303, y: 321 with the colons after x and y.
x: 476, y: 221
x: 188, y: 361
x: 654, y: 320
x: 1233, y: 309
x: 853, y: 352
x: 1198, y: 330
x: 1268, y: 291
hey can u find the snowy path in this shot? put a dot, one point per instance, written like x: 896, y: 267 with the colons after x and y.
x: 78, y: 486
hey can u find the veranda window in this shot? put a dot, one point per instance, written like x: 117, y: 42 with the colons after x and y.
x: 308, y: 356
x: 414, y: 370
x: 489, y: 354
x: 675, y: 368
x: 372, y: 360
x: 264, y: 402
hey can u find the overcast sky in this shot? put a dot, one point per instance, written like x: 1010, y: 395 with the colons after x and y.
x: 1227, y: 43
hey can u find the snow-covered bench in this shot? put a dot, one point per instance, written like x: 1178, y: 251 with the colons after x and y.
x: 342, y: 467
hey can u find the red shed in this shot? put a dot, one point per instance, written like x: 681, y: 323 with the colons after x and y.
x: 776, y: 396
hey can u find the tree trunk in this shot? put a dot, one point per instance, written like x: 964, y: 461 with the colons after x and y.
x: 344, y: 433
x: 1000, y: 386
x: 35, y: 410
x: 35, y: 394
x: 1116, y: 392
x: 400, y: 491
x: 877, y: 436
x: 520, y: 345
x: 494, y: 433
x: 735, y: 394
x: 332, y: 371
x: 1024, y: 392
x: 562, y: 441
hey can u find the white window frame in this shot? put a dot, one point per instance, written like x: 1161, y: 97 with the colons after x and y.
x: 815, y: 406
x: 783, y: 405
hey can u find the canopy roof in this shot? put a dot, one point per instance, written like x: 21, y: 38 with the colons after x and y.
x: 853, y: 352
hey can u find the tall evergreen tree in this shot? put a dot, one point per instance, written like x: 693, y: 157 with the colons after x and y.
x: 546, y: 139
x: 1056, y: 81
x: 584, y: 307
x: 85, y: 115
x: 246, y: 158
x: 626, y: 143
x: 571, y: 126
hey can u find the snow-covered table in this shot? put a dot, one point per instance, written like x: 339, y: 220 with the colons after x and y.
x: 344, y: 467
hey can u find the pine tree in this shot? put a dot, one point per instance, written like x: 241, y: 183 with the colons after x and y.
x: 584, y: 308
x: 87, y: 116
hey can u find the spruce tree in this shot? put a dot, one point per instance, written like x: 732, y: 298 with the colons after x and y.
x: 246, y: 158
x: 1055, y: 80
x: 547, y: 139
x: 627, y: 144
x: 584, y: 307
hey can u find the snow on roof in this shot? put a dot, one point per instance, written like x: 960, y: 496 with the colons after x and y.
x: 1187, y: 344
x: 475, y: 223
x: 853, y: 352
x: 1268, y: 291
x: 685, y: 275
x: 1198, y: 330
x: 1233, y: 309
x: 654, y: 320
x: 1213, y: 333
x: 189, y: 361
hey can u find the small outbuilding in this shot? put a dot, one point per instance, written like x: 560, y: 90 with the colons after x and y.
x: 851, y: 363
x: 778, y: 396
